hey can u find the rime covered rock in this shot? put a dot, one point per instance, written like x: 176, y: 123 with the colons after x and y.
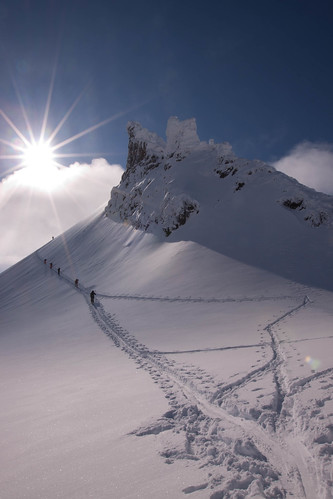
x: 181, y: 136
x: 170, y: 183
x: 145, y: 196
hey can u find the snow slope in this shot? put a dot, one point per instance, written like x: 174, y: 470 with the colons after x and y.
x: 195, y: 373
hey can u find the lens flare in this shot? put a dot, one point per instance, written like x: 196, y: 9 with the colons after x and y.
x: 313, y: 363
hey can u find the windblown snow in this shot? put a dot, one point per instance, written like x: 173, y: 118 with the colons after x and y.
x: 204, y: 368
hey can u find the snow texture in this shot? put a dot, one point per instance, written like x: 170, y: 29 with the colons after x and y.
x: 196, y: 372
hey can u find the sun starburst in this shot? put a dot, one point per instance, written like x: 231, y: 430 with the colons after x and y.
x: 39, y: 157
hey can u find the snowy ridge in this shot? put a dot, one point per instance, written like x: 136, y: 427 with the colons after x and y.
x: 160, y: 187
x: 195, y: 409
x: 220, y: 429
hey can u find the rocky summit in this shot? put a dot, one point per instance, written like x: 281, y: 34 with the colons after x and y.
x: 168, y: 182
x: 187, y: 189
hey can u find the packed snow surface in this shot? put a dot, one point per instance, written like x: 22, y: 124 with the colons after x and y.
x: 196, y: 372
x: 223, y: 370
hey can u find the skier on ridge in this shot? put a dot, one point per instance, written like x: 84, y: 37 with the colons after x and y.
x: 92, y: 296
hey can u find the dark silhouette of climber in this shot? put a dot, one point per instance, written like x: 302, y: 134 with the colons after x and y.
x: 76, y: 282
x: 51, y: 265
x: 92, y: 296
x: 58, y: 270
x: 44, y: 260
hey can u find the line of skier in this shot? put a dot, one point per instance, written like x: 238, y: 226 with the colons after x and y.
x: 51, y: 266
x: 76, y: 282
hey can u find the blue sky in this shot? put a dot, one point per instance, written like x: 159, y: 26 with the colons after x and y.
x: 256, y: 73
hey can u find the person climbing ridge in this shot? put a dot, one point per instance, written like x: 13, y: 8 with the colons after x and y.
x: 58, y: 270
x: 51, y: 265
x: 76, y: 282
x: 92, y: 296
x: 45, y: 260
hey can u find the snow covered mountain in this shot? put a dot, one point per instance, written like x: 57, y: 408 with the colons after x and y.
x: 204, y: 368
x: 191, y: 190
x: 164, y: 183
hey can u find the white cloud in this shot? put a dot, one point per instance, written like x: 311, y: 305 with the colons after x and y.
x: 311, y: 164
x: 29, y: 216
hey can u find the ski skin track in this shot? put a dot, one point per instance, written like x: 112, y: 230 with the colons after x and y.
x: 285, y: 454
x: 267, y: 444
x: 264, y: 442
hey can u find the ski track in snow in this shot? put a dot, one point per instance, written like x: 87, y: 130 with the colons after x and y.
x: 260, y: 456
x: 217, y: 349
x: 189, y: 299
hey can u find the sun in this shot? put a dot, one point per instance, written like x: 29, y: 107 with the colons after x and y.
x: 40, y: 169
x: 38, y: 157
